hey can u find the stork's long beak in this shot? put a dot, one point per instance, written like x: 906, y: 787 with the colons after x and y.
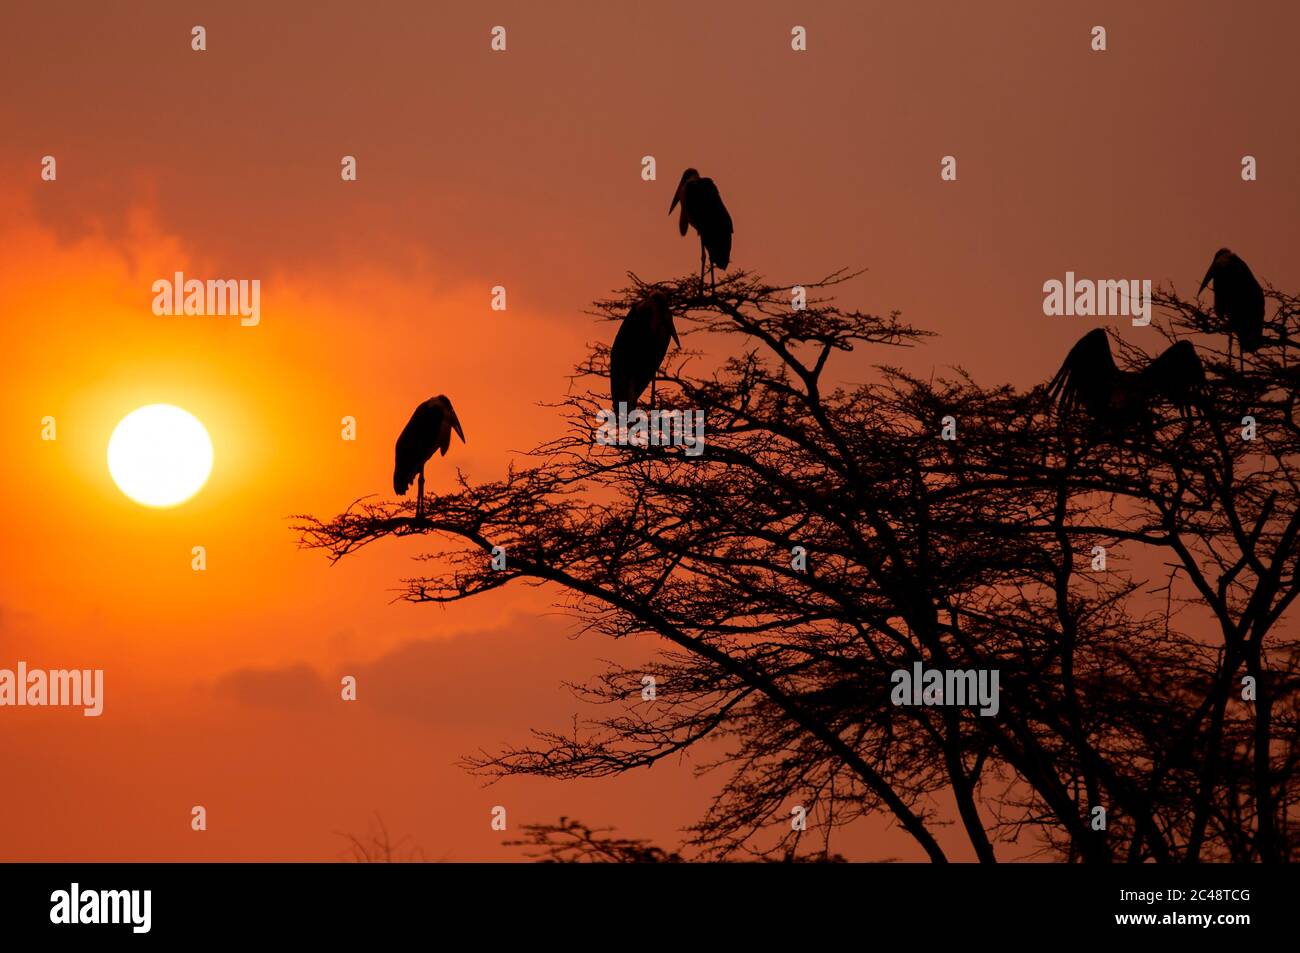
x: 455, y: 424
x: 1206, y: 280
x: 677, y: 197
x: 673, y: 332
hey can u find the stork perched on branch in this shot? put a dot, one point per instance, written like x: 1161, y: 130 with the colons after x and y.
x: 639, y: 348
x: 1116, y: 399
x: 703, y: 210
x: 428, y: 430
x: 1238, y: 299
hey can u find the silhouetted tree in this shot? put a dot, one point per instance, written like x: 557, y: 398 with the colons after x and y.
x: 1121, y: 688
x: 572, y: 842
x: 377, y: 846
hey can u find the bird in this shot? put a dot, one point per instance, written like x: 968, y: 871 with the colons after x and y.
x: 1118, y: 399
x: 429, y: 429
x: 702, y: 208
x: 639, y: 348
x: 1238, y: 299
x: 1176, y: 375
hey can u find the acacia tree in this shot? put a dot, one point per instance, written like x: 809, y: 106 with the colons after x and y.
x: 570, y: 841
x: 829, y: 536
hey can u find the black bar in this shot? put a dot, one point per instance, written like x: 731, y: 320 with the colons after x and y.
x: 459, y: 904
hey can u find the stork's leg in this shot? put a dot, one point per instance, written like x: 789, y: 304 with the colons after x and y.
x: 701, y: 266
x: 653, y: 403
x: 419, y: 497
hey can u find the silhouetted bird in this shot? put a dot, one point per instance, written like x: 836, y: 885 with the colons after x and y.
x: 1117, y: 399
x: 1177, y: 376
x: 702, y: 208
x: 429, y: 429
x: 639, y: 349
x: 1238, y: 299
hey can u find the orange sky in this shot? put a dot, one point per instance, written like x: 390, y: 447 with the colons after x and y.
x: 477, y: 169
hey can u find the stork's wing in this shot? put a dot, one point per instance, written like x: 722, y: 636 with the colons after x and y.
x: 712, y: 220
x: 1088, y: 367
x: 1176, y: 375
x: 625, y: 383
x: 1239, y: 298
x: 416, y: 444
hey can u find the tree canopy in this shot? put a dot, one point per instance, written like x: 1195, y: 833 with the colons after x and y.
x: 1129, y: 589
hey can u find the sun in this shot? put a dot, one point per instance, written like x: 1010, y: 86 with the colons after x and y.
x: 160, y: 455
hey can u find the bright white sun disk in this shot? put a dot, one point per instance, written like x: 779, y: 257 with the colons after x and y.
x: 160, y: 455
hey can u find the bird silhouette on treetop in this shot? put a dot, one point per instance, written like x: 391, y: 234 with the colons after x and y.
x: 1238, y: 299
x: 639, y: 349
x: 1117, y: 400
x: 703, y: 210
x: 428, y: 430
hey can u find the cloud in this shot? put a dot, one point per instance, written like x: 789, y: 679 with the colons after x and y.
x: 295, y: 687
x: 507, y: 676
x: 510, y: 678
